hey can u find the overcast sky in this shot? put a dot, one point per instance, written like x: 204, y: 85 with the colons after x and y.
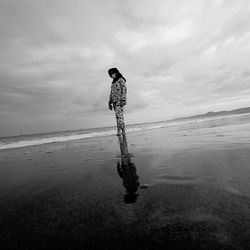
x: 180, y: 58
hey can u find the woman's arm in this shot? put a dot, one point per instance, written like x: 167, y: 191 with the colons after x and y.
x: 123, y: 91
x: 110, y: 101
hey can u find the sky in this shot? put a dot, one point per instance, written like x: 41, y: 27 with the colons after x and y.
x: 180, y: 58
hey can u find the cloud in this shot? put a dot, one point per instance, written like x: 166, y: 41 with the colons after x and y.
x: 179, y: 58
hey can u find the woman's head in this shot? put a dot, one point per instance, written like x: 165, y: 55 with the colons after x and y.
x: 115, y: 74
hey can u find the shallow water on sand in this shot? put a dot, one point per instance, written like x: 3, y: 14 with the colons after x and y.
x: 193, y: 191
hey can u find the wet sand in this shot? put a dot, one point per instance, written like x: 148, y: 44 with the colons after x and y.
x: 172, y: 188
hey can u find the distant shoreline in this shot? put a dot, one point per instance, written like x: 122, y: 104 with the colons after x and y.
x: 218, y: 113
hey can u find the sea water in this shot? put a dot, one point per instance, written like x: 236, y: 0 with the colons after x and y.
x: 38, y: 139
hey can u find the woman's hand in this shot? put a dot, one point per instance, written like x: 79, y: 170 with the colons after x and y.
x: 110, y: 105
x: 123, y: 103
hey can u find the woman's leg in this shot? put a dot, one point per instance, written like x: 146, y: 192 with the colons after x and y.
x: 119, y: 118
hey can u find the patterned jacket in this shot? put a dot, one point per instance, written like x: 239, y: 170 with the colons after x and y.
x: 118, y: 92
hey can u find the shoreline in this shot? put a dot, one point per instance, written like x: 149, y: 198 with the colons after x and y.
x: 57, y: 138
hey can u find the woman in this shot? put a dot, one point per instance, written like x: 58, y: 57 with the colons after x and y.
x: 118, y: 97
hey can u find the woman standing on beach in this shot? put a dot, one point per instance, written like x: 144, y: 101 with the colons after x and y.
x: 118, y: 97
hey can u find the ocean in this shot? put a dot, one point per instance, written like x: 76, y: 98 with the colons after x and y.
x: 38, y: 139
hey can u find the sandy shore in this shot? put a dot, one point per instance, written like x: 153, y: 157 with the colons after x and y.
x: 190, y: 189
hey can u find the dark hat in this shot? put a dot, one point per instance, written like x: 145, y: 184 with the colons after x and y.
x: 112, y: 71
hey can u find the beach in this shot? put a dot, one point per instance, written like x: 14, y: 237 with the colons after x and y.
x: 190, y: 187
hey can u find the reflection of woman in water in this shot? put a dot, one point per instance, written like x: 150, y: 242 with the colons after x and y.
x: 127, y: 171
x: 117, y: 98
